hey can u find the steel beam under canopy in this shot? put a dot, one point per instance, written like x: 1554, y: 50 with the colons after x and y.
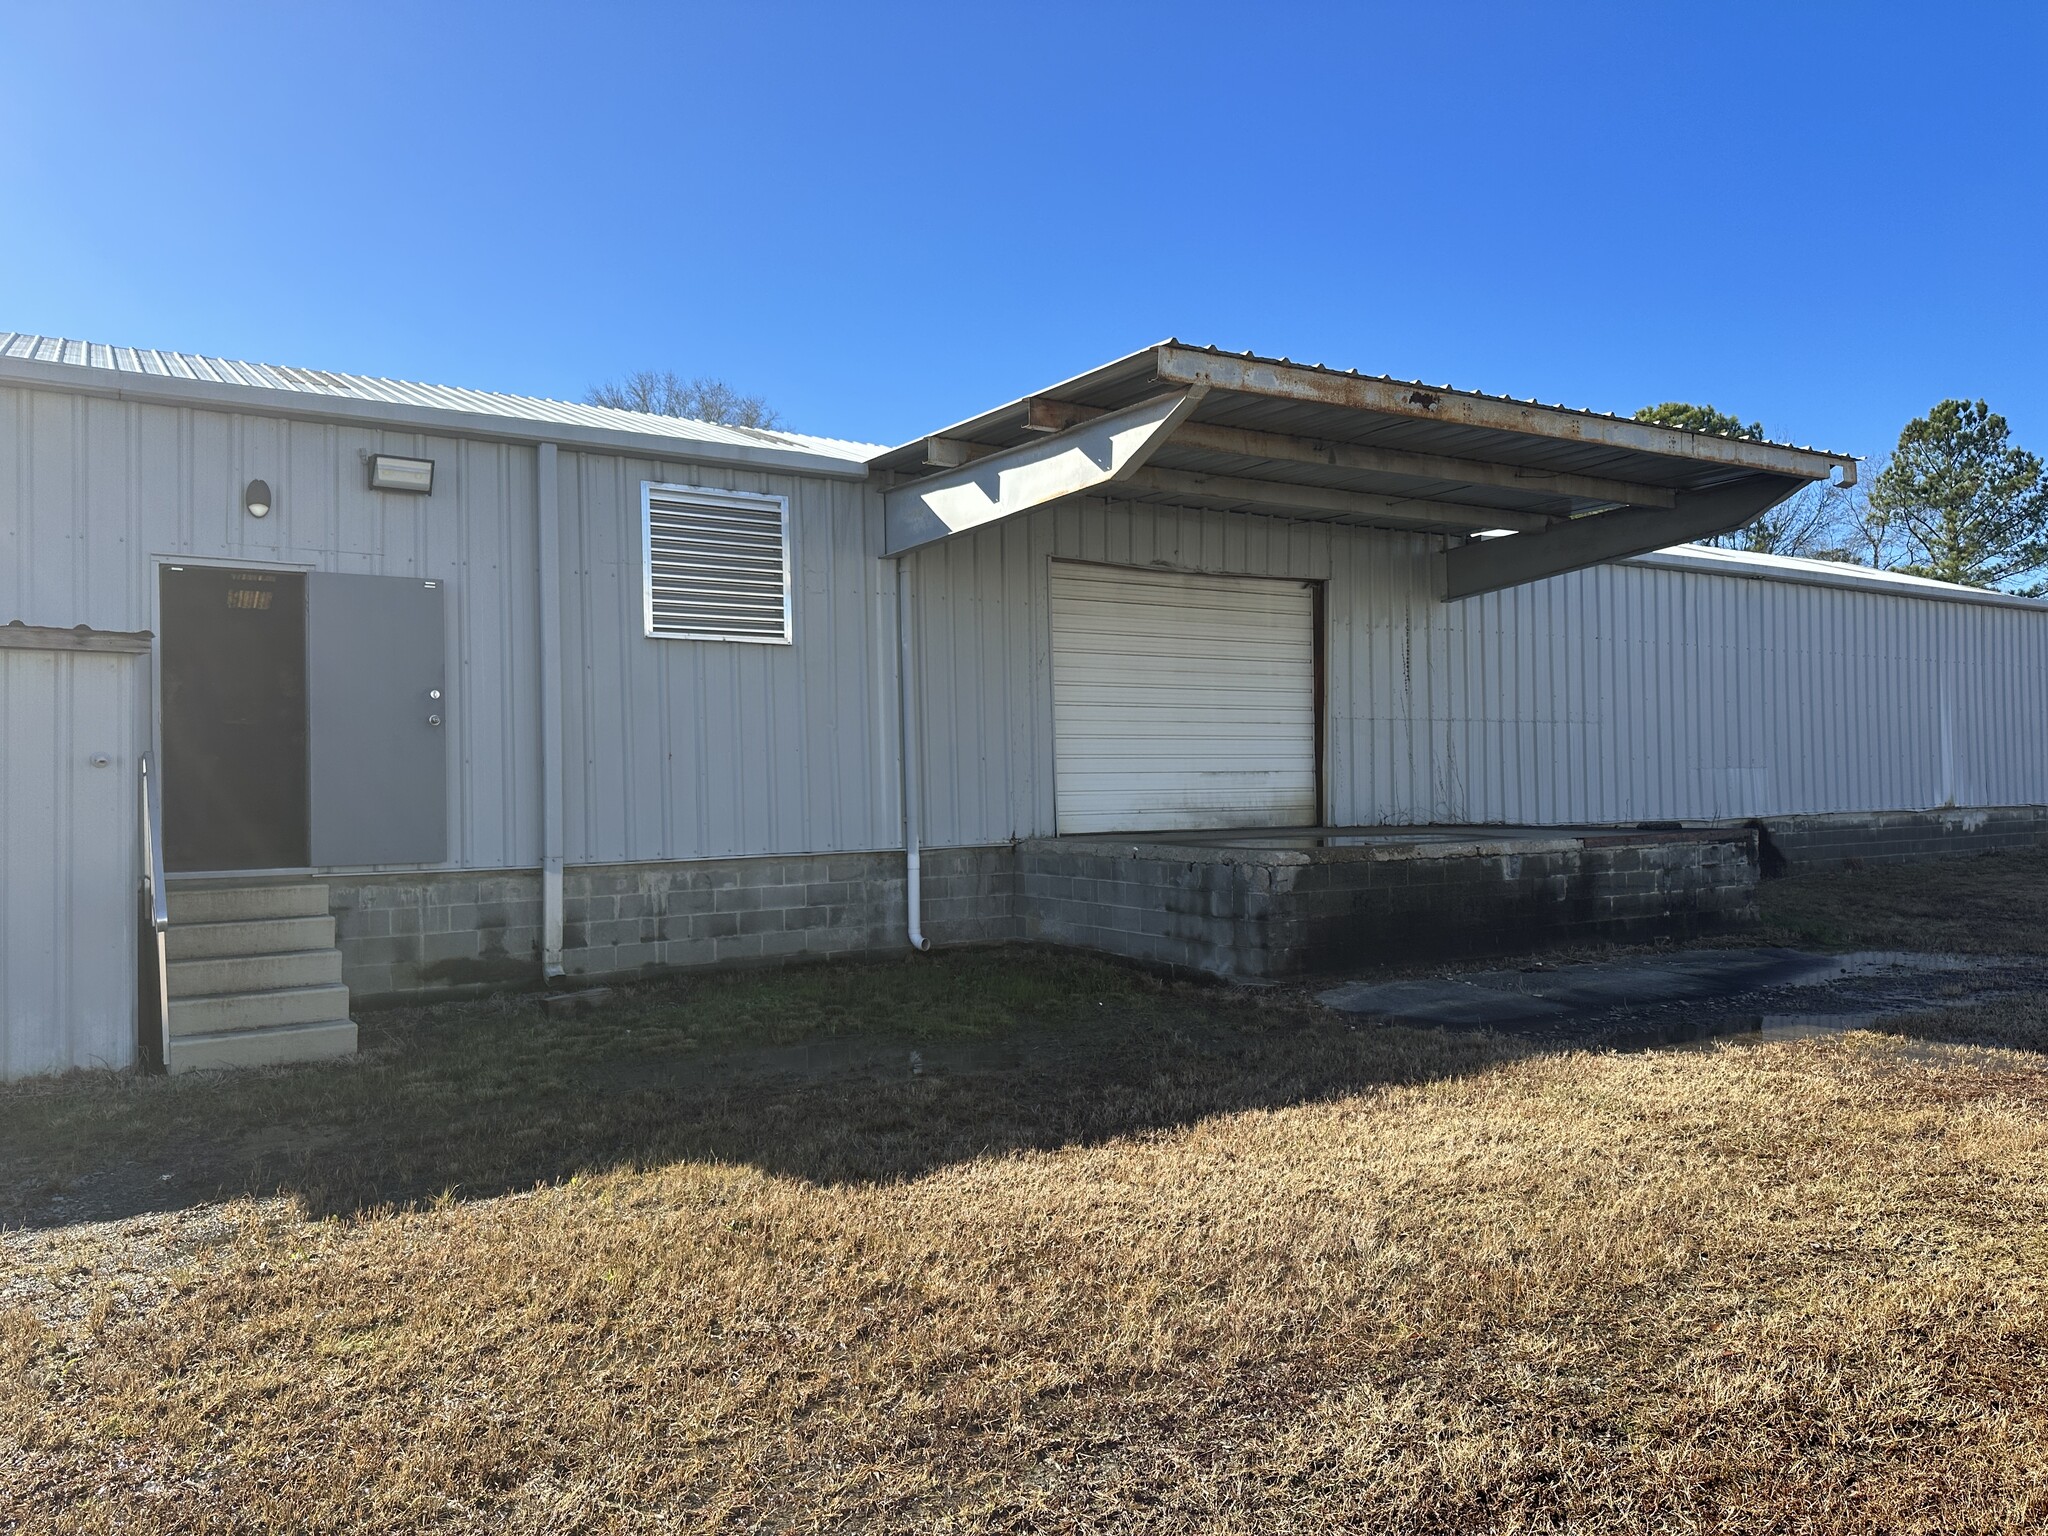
x: 1084, y: 457
x: 1487, y: 565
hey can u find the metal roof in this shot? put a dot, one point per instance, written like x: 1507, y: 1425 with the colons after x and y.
x: 276, y: 389
x: 1742, y: 563
x: 1401, y: 440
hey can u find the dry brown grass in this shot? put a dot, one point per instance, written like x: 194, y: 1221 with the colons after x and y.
x: 1214, y: 1266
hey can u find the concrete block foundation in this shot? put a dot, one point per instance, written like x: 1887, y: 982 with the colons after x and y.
x: 1894, y: 837
x: 418, y: 936
x: 1288, y: 906
x: 1234, y: 904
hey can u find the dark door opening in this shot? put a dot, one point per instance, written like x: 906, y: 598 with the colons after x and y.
x: 233, y: 681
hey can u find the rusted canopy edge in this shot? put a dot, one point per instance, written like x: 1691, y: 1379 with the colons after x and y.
x: 17, y: 636
x: 1254, y: 376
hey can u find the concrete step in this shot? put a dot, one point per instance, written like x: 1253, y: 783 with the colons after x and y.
x: 254, y: 973
x: 264, y: 1047
x: 226, y: 1014
x: 255, y: 979
x: 245, y: 903
x: 261, y: 936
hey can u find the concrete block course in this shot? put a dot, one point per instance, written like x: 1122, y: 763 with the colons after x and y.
x: 1265, y: 911
x: 1832, y: 842
x: 1205, y: 906
x: 406, y: 937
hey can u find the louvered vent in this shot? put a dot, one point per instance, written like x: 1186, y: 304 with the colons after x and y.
x: 717, y: 565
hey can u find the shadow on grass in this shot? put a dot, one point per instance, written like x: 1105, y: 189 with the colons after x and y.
x: 832, y: 1073
x: 847, y: 1072
x: 1993, y: 903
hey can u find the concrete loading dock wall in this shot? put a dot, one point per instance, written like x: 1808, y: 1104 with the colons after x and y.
x: 1896, y: 837
x: 1222, y: 910
x: 1277, y: 912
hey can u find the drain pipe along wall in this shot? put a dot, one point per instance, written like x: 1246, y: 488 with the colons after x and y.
x: 548, y: 488
x: 909, y: 717
x: 910, y: 747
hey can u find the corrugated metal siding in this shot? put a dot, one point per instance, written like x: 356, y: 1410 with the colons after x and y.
x: 682, y: 749
x: 1618, y: 694
x: 1625, y: 693
x: 69, y: 858
x: 91, y: 489
x: 676, y: 749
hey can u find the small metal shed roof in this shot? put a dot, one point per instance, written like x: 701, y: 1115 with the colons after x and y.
x: 1251, y: 433
x: 272, y: 389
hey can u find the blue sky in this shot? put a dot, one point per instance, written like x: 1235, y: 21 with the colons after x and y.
x: 1824, y: 216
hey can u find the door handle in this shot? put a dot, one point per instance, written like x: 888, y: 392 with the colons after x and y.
x: 433, y: 719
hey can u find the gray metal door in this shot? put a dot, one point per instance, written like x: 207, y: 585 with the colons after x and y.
x: 72, y: 726
x: 376, y: 700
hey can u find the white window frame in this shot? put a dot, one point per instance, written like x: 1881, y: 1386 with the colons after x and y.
x: 711, y: 497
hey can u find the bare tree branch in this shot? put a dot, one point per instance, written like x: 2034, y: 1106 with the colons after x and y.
x: 667, y: 393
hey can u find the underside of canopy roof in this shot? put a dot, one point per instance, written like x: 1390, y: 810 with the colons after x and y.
x: 1524, y: 490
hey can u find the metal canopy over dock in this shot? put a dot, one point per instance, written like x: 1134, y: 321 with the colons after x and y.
x: 1193, y: 426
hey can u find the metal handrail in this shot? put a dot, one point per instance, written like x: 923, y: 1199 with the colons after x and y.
x: 154, y: 886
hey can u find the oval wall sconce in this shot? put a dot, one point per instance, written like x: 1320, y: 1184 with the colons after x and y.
x: 256, y: 500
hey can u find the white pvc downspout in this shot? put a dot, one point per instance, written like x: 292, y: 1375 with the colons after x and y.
x: 910, y: 749
x: 549, y: 557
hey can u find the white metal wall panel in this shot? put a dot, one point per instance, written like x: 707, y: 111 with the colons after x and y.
x: 69, y: 860
x: 1618, y: 694
x: 91, y: 490
x: 674, y: 750
x: 688, y: 749
x: 1181, y: 700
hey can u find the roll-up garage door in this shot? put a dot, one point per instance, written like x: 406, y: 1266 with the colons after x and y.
x: 1182, y: 701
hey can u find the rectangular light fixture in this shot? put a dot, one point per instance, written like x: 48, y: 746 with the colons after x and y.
x: 391, y: 473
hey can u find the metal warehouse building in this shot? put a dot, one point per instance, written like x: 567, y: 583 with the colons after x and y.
x: 378, y: 690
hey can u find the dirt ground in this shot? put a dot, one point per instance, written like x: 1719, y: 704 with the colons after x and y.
x: 1009, y: 1241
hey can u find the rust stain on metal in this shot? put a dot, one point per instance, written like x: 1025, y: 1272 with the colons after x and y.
x: 1177, y: 364
x: 1042, y: 414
